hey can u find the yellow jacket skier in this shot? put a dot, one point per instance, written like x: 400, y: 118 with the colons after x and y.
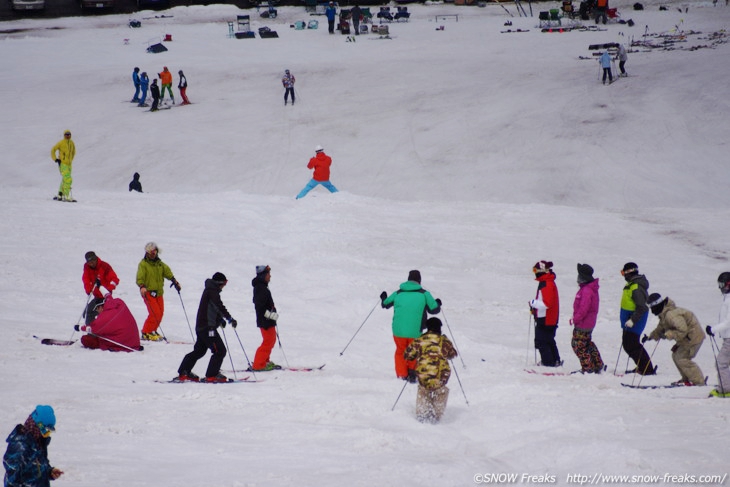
x: 63, y: 154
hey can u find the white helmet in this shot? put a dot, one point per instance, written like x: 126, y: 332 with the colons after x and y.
x: 318, y: 149
x: 151, y: 246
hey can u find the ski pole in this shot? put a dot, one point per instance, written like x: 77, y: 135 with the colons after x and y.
x: 245, y: 354
x: 399, y: 395
x: 460, y: 385
x: 617, y: 357
x: 186, y: 316
x: 230, y: 355
x: 647, y: 365
x: 83, y: 313
x: 717, y: 364
x: 280, y: 347
x: 113, y: 342
x: 527, y: 351
x: 358, y: 330
x: 452, y: 338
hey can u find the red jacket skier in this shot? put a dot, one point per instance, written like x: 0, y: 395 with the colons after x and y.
x: 114, y: 329
x: 97, y: 274
x: 546, y: 310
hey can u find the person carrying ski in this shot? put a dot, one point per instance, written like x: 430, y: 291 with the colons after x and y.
x: 212, y: 313
x: 155, y: 92
x: 63, y: 154
x: 114, y: 328
x: 411, y: 302
x: 331, y: 13
x: 135, y: 184
x: 288, y: 81
x: 585, y: 312
x: 166, y: 80
x: 144, y: 83
x: 722, y: 329
x: 97, y: 274
x: 135, y: 80
x: 682, y: 326
x: 633, y: 315
x: 151, y: 275
x: 321, y: 163
x: 605, y: 62
x: 266, y: 317
x: 26, y: 459
x: 182, y: 85
x: 431, y: 353
x: 545, y: 309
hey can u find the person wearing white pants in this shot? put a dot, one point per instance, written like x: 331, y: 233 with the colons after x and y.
x: 722, y: 329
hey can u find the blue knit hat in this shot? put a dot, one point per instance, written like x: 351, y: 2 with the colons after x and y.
x: 44, y: 415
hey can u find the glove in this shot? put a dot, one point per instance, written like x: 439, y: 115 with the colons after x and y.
x: 98, y: 282
x: 233, y: 323
x: 438, y: 301
x: 271, y: 315
x: 708, y: 330
x: 644, y: 339
x: 77, y: 328
x: 629, y: 323
x: 383, y: 295
x: 175, y: 284
x: 58, y: 161
x: 223, y: 323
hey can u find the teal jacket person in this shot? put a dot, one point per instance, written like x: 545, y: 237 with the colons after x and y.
x: 411, y: 303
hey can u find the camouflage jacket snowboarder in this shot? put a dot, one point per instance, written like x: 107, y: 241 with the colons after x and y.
x: 432, y: 353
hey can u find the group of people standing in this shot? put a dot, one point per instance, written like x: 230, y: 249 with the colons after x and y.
x: 675, y: 323
x: 142, y: 83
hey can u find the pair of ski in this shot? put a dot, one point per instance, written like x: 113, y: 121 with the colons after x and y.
x: 553, y: 374
x: 660, y: 386
x: 290, y: 369
x: 243, y: 379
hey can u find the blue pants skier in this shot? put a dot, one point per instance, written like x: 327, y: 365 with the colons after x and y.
x: 312, y: 184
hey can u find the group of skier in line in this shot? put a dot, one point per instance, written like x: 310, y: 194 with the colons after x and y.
x: 675, y: 323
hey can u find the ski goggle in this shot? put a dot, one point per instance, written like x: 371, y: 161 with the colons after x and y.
x: 722, y: 285
x: 45, y: 430
x: 628, y: 271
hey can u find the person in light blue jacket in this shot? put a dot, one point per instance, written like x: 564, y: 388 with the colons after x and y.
x: 605, y: 61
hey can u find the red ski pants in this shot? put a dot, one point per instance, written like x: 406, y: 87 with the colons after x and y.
x: 263, y: 353
x: 401, y: 365
x: 155, y: 310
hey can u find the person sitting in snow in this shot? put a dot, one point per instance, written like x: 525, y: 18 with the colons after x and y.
x: 134, y: 184
x: 26, y: 459
x: 431, y: 352
x: 114, y: 328
x: 682, y: 326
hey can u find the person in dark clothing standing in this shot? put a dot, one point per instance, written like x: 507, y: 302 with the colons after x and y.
x: 331, y: 13
x: 183, y: 87
x: 155, y: 92
x: 634, y: 312
x: 356, y: 13
x: 211, y: 314
x: 546, y: 310
x: 266, y: 317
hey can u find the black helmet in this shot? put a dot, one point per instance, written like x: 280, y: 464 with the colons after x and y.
x: 723, y: 282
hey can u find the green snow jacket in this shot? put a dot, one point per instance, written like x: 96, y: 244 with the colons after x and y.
x: 151, y: 274
x: 411, y: 302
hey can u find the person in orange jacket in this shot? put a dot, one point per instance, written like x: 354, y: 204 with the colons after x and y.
x: 166, y: 80
x: 97, y: 274
x: 321, y: 163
